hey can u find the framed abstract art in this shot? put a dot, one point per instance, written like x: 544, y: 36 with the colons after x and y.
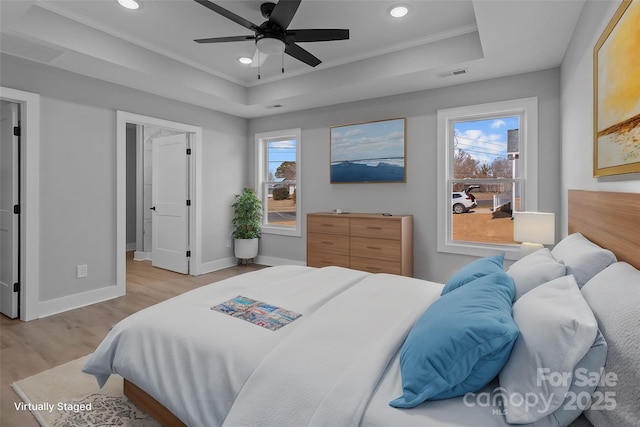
x: 616, y: 59
x: 368, y: 152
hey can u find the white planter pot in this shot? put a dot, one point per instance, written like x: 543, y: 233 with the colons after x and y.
x: 246, y: 248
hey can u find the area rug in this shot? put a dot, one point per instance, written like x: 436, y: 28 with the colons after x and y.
x: 66, y: 396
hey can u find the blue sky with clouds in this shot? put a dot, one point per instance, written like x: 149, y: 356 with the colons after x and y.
x: 281, y: 151
x: 485, y: 140
x: 375, y: 140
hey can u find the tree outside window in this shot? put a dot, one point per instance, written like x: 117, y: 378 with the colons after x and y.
x: 487, y: 168
x: 278, y: 164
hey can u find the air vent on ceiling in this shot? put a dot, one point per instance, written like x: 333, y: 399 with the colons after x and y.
x: 28, y: 49
x: 452, y: 73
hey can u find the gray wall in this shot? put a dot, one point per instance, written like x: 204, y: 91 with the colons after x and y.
x: 78, y: 166
x: 577, y: 109
x: 417, y: 196
x: 78, y: 163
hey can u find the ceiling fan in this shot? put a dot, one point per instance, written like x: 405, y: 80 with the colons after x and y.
x: 272, y: 36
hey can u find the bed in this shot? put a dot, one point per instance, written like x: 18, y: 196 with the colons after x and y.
x: 349, y: 358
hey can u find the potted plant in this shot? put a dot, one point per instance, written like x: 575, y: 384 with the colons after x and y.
x: 247, y: 220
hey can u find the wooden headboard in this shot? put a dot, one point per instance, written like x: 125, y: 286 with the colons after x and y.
x: 609, y: 219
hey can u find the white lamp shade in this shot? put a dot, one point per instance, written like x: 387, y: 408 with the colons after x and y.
x: 534, y: 227
x: 270, y: 46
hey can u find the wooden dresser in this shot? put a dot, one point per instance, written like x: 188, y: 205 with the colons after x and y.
x: 369, y: 242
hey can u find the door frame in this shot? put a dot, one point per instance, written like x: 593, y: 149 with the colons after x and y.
x: 195, y: 182
x: 29, y: 199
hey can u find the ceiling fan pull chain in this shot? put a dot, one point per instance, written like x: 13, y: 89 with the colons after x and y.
x: 274, y: 34
x: 259, y: 63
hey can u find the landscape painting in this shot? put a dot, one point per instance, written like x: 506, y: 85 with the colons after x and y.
x: 617, y: 94
x: 368, y: 152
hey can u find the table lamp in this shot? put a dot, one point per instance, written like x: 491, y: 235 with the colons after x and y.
x: 533, y: 230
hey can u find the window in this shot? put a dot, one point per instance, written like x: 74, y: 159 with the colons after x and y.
x: 487, y: 168
x: 278, y: 159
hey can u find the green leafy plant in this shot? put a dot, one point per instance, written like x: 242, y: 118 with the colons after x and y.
x: 247, y: 217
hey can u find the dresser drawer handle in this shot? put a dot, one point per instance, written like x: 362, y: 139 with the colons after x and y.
x: 374, y: 248
x: 327, y: 225
x: 374, y: 228
x: 327, y: 243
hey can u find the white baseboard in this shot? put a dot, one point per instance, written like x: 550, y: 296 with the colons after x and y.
x: 208, y: 267
x: 59, y: 305
x: 142, y: 256
x: 272, y: 261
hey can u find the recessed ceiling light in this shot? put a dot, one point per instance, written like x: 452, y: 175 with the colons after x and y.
x: 129, y: 4
x: 245, y: 60
x: 398, y: 11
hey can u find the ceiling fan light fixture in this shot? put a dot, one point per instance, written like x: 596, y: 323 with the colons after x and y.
x: 398, y: 11
x: 270, y: 46
x: 129, y: 4
x: 245, y: 60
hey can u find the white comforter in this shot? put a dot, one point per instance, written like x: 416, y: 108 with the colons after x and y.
x: 195, y: 360
x: 337, y: 365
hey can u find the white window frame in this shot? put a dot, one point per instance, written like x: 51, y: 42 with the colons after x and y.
x: 261, y: 168
x: 527, y: 108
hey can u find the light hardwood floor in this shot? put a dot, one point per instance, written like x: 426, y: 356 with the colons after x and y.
x: 27, y: 348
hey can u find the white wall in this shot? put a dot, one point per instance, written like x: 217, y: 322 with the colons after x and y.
x: 418, y: 195
x: 78, y: 163
x: 131, y: 186
x: 577, y: 109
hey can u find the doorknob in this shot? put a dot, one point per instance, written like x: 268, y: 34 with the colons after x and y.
x: 153, y: 208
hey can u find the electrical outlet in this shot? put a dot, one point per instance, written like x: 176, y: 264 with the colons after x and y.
x: 81, y: 271
x: 228, y: 243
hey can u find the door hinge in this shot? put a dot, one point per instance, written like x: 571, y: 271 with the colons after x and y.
x: 188, y: 202
x: 17, y: 130
x: 16, y: 287
x: 188, y: 254
x: 16, y: 209
x: 188, y: 151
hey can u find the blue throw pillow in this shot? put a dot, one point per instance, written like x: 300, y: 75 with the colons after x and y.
x: 474, y: 270
x: 460, y: 343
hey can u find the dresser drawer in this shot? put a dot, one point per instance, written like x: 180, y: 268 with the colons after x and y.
x: 328, y: 224
x: 321, y: 259
x: 379, y: 249
x: 378, y: 228
x: 331, y: 243
x: 376, y: 265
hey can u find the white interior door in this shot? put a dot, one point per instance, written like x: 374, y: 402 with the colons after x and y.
x: 9, y: 230
x: 169, y: 195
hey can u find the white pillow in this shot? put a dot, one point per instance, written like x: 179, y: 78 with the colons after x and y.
x: 535, y: 269
x: 583, y: 258
x: 614, y: 297
x: 557, y: 328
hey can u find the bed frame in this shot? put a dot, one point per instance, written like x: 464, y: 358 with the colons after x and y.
x: 609, y: 219
x: 151, y: 406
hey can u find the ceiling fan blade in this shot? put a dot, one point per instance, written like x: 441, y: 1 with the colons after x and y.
x: 225, y: 39
x: 259, y: 58
x: 322, y: 35
x: 301, y: 54
x: 283, y: 12
x: 229, y: 15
